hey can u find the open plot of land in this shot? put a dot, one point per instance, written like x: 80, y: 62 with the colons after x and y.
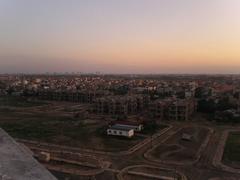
x: 231, y: 155
x: 179, y: 150
x: 59, y: 127
x: 14, y: 101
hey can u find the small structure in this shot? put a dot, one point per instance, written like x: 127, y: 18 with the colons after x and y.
x: 44, y: 156
x: 186, y: 137
x: 117, y: 130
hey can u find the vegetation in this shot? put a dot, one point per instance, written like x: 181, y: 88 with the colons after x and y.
x: 232, y: 148
x: 35, y: 127
x: 63, y: 130
x: 152, y: 127
x: 16, y: 101
x: 227, y: 117
x: 121, y: 90
x: 207, y: 106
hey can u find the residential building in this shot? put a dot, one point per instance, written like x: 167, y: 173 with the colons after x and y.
x: 181, y: 109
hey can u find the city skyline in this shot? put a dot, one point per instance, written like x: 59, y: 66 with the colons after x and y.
x: 109, y: 36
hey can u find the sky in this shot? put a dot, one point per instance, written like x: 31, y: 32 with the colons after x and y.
x: 120, y: 36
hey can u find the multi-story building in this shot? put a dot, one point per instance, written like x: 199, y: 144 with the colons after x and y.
x: 181, y: 109
x: 82, y: 96
x: 158, y: 108
x: 120, y: 105
x: 172, y: 109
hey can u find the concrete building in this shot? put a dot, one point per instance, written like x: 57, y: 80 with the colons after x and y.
x: 181, y: 109
x: 120, y: 105
x: 82, y: 96
x: 157, y: 109
x: 172, y: 109
x: 17, y: 163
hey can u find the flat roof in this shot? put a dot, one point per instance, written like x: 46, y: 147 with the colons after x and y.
x: 129, y: 123
x: 16, y: 163
x: 119, y: 127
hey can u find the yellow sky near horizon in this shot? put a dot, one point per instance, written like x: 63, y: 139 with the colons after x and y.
x: 137, y: 36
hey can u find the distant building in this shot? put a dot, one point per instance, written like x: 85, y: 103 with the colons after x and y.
x: 82, y: 96
x: 120, y: 105
x: 157, y: 109
x: 181, y: 109
x: 172, y: 109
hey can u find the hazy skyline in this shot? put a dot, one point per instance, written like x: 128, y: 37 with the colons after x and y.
x: 120, y: 36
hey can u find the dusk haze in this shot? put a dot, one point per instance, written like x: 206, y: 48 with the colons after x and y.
x: 119, y: 89
x: 120, y: 36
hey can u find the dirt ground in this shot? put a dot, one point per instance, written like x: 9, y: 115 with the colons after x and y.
x: 177, y: 149
x: 57, y: 123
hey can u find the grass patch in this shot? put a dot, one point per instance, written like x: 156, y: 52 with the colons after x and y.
x: 28, y: 130
x: 35, y: 129
x: 232, y: 148
x: 15, y: 101
x: 63, y: 131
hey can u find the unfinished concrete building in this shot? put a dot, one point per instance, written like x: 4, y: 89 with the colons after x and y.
x: 181, y: 109
x: 119, y: 105
x: 157, y: 109
x: 82, y: 96
x: 172, y: 109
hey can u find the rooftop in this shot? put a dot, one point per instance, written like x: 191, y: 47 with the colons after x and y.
x: 16, y: 163
x: 121, y: 128
x: 129, y: 123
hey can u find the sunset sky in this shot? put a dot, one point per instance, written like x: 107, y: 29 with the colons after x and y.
x: 120, y: 36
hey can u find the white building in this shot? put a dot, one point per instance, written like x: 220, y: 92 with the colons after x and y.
x: 120, y: 131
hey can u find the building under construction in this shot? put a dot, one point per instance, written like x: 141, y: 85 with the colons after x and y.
x: 157, y: 108
x: 172, y: 109
x: 181, y: 109
x: 83, y: 96
x: 120, y: 105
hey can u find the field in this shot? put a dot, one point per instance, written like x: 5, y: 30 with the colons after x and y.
x: 52, y: 124
x: 231, y: 154
x: 178, y: 150
x: 14, y: 101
